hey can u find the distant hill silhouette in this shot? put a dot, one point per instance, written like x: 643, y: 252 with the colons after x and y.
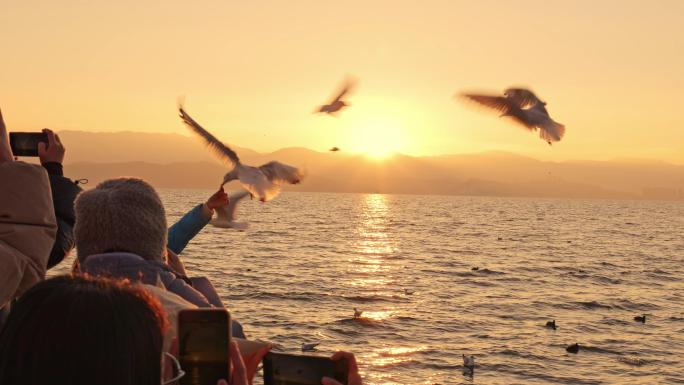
x: 172, y: 160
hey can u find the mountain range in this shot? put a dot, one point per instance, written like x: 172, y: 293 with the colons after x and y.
x: 178, y: 161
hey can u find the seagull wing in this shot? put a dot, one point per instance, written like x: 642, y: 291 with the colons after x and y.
x: 280, y: 172
x: 220, y: 149
x: 347, y: 87
x: 498, y: 103
x: 230, y: 209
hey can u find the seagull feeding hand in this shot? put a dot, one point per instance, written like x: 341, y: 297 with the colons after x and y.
x: 337, y: 104
x: 263, y: 182
x: 523, y: 106
x: 225, y: 216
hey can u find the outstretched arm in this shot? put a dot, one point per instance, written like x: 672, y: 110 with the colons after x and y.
x: 182, y: 232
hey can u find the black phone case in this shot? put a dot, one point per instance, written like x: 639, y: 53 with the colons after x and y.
x: 291, y: 369
x: 26, y: 143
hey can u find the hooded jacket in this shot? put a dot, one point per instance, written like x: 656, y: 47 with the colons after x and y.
x: 121, y: 265
x: 27, y: 227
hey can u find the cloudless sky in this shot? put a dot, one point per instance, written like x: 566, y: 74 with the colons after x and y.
x: 252, y: 72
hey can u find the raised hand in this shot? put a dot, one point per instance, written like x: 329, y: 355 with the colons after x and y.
x: 53, y: 150
x: 353, y: 376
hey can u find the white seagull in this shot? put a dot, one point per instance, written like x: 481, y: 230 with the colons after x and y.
x: 523, y: 106
x: 309, y: 347
x: 225, y: 216
x: 263, y: 182
x: 357, y: 313
x: 469, y: 363
x: 337, y: 104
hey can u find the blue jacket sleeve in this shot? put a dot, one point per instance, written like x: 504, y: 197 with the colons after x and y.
x: 186, y: 228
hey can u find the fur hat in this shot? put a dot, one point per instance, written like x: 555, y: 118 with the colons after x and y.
x: 123, y: 214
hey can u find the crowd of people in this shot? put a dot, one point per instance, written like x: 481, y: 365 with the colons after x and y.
x: 113, y: 320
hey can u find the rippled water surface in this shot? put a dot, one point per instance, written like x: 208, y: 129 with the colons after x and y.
x: 308, y: 259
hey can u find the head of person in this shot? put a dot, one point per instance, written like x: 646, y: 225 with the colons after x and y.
x: 82, y: 330
x: 120, y: 215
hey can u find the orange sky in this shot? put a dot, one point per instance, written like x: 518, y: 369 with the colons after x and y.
x: 252, y: 71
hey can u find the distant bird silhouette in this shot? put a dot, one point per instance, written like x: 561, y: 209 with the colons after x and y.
x: 263, y: 182
x: 338, y: 104
x: 409, y: 291
x: 525, y: 108
x: 469, y: 363
x: 640, y: 318
x: 551, y: 324
x: 357, y: 313
x: 334, y: 149
x: 574, y: 348
x: 309, y: 347
x: 476, y: 268
x: 225, y: 216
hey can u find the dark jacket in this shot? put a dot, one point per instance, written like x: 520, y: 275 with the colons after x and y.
x: 64, y: 192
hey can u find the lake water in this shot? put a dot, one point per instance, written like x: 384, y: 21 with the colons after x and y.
x: 308, y: 259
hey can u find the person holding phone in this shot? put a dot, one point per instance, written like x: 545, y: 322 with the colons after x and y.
x: 64, y: 192
x: 27, y: 224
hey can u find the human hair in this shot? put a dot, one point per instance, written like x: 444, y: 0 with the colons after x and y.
x: 82, y: 330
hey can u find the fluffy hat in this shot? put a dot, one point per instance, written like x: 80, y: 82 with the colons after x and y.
x: 123, y: 214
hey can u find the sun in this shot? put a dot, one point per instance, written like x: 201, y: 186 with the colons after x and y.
x: 377, y: 138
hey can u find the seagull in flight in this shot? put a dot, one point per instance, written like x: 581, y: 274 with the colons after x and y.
x: 525, y: 108
x: 337, y: 104
x: 334, y: 149
x: 263, y: 182
x: 225, y: 216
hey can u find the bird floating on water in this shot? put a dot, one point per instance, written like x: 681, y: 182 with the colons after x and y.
x: 338, y: 104
x: 641, y: 318
x: 469, y: 363
x: 309, y: 346
x: 409, y: 291
x: 263, y: 182
x: 574, y: 348
x: 357, y: 313
x: 551, y: 324
x: 523, y: 106
x: 225, y: 216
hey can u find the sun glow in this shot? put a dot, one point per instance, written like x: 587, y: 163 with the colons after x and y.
x: 377, y: 138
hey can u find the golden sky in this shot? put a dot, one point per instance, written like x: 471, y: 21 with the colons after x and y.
x: 253, y: 71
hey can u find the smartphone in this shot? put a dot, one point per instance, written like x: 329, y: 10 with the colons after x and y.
x: 292, y: 369
x: 26, y: 143
x: 204, y: 340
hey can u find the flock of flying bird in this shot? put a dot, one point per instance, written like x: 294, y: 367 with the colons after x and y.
x: 264, y: 182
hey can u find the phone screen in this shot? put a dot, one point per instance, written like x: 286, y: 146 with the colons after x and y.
x: 204, y: 338
x: 26, y: 143
x: 291, y: 369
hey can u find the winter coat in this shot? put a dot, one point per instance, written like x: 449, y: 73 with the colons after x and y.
x: 27, y: 227
x: 120, y: 265
x: 64, y: 192
x: 186, y: 228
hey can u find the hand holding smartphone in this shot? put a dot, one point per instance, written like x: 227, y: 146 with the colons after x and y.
x: 26, y: 143
x: 291, y: 369
x: 204, y: 340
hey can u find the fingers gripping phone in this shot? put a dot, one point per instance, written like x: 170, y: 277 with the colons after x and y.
x: 26, y: 143
x: 204, y: 340
x: 291, y: 369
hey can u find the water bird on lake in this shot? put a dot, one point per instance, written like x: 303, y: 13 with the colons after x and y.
x: 640, y: 318
x: 523, y: 106
x: 225, y: 216
x: 409, y: 291
x: 475, y: 268
x: 309, y: 346
x: 357, y: 313
x: 469, y: 363
x: 263, y: 182
x: 574, y: 348
x: 337, y: 104
x: 551, y: 324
